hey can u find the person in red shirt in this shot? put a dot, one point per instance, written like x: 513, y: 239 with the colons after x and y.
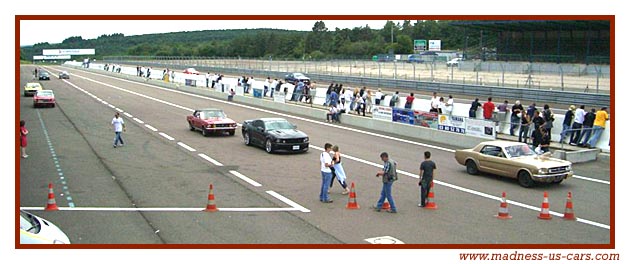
x: 488, y: 108
x: 409, y: 101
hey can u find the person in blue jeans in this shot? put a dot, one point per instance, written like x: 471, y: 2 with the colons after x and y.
x: 326, y: 163
x: 389, y: 175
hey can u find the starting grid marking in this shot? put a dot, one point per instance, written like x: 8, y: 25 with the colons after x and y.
x: 294, y: 206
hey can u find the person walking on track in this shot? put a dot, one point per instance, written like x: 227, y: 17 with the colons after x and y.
x: 119, y: 127
x: 389, y: 175
x: 427, y: 171
x: 339, y: 172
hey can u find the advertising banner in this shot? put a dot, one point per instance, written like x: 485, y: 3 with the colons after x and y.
x: 456, y: 124
x: 480, y: 128
x: 426, y: 119
x: 278, y: 97
x: 51, y: 57
x: 382, y: 113
x: 68, y: 52
x: 419, y: 44
x: 402, y: 115
x: 435, y: 44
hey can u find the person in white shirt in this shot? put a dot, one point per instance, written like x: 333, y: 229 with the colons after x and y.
x: 449, y: 105
x: 578, y: 123
x: 441, y: 106
x: 250, y: 82
x: 214, y: 80
x: 378, y: 96
x: 435, y: 103
x: 348, y: 100
x: 326, y: 162
x: 119, y: 126
x: 208, y: 80
x: 267, y: 84
x: 272, y: 87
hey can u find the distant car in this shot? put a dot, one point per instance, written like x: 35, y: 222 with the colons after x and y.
x: 454, y: 62
x: 274, y: 134
x: 191, y: 71
x: 210, y: 121
x: 30, y: 89
x: 296, y: 76
x: 44, y: 98
x: 64, y: 75
x: 44, y: 75
x: 429, y: 53
x: 414, y: 59
x: 514, y: 160
x: 37, y: 230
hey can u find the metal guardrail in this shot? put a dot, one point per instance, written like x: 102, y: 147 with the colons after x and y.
x: 480, y: 91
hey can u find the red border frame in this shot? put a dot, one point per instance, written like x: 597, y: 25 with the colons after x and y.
x: 610, y: 18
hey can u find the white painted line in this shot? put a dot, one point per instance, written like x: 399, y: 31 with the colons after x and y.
x: 128, y: 114
x: 384, y: 240
x: 466, y: 190
x: 162, y: 209
x: 105, y: 102
x: 211, y: 160
x: 591, y: 179
x: 111, y: 106
x: 150, y: 127
x: 138, y: 120
x: 245, y: 178
x: 181, y: 144
x: 289, y: 202
x: 166, y: 136
x: 119, y: 110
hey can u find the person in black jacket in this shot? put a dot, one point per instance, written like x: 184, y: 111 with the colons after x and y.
x: 589, y: 119
x: 473, y: 108
x: 566, y: 125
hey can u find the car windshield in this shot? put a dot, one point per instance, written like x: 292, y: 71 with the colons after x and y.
x: 213, y: 114
x: 45, y: 93
x: 43, y: 74
x: 519, y: 151
x: 299, y: 75
x: 278, y: 124
x: 32, y: 85
x: 29, y: 223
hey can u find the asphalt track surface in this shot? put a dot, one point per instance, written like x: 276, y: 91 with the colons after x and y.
x: 152, y: 189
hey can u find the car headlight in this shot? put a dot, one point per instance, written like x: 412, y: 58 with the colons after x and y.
x: 210, y: 126
x: 543, y: 171
x: 278, y: 140
x: 569, y: 168
x: 306, y: 140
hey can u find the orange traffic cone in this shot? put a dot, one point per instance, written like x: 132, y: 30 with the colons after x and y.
x: 386, y: 206
x: 544, y: 209
x: 51, y: 205
x: 352, y: 199
x: 211, y: 207
x: 430, y: 204
x: 568, y: 211
x: 503, y: 209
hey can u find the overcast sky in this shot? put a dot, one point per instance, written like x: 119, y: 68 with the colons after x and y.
x: 55, y: 31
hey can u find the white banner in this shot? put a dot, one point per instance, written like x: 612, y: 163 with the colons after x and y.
x: 480, y: 128
x: 51, y: 57
x: 69, y: 52
x: 435, y: 44
x: 382, y: 113
x: 278, y: 97
x: 451, y: 123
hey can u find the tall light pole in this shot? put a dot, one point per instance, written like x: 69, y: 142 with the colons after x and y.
x: 392, y: 32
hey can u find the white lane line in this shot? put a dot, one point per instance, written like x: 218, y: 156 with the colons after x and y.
x: 181, y: 144
x: 150, y: 127
x: 119, y: 110
x: 258, y: 109
x: 166, y: 136
x: 211, y: 160
x: 128, y: 114
x: 138, y: 120
x: 163, y: 209
x: 591, y: 179
x: 111, y: 106
x: 105, y: 102
x: 466, y: 190
x: 245, y: 178
x: 289, y: 202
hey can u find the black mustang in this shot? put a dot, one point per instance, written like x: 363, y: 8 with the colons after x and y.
x: 274, y: 134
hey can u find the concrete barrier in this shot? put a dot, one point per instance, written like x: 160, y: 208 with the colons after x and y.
x: 577, y: 156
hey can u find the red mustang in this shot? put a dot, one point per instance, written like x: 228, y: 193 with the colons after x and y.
x: 44, y: 97
x: 211, y: 120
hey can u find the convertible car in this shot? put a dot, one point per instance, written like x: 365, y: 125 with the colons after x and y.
x: 274, y: 134
x: 514, y: 160
x: 211, y: 120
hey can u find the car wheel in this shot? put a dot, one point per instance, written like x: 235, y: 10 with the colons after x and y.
x: 268, y: 146
x: 205, y: 133
x: 247, y: 139
x: 471, y: 167
x: 192, y: 128
x: 524, y: 179
x: 231, y: 132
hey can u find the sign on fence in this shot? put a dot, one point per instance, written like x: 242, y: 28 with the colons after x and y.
x: 426, y: 119
x: 278, y: 97
x: 382, y: 113
x: 480, y: 128
x: 451, y: 123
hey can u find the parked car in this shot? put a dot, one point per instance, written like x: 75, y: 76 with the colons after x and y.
x: 453, y: 62
x: 44, y: 98
x: 30, y: 89
x: 514, y: 160
x: 64, y: 75
x: 37, y: 230
x: 43, y: 75
x: 191, y: 71
x: 210, y: 121
x: 415, y: 59
x: 274, y: 134
x: 296, y: 76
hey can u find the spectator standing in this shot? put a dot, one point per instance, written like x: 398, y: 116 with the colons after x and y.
x: 362, y: 91
x: 427, y: 172
x: 273, y: 87
x: 250, y: 82
x: 23, y: 138
x: 537, y: 120
x: 566, y: 124
x: 598, y: 127
x: 441, y: 106
x: 215, y: 76
x: 409, y: 101
x: 334, y: 98
x: 393, y: 102
x: 526, y: 122
x: 119, y: 126
x: 578, y: 122
x: 503, y: 107
x: 368, y: 100
x: 378, y: 96
x: 589, y: 120
x: 172, y: 76
x: 208, y: 80
x: 531, y: 109
x: 340, y: 173
x: 347, y: 100
x: 516, y: 117
x: 537, y: 136
x: 328, y: 91
x: 472, y: 112
x: 326, y: 163
x: 488, y: 109
x: 435, y: 103
x: 148, y: 73
x: 548, y: 117
x: 449, y: 105
x: 266, y: 86
x: 389, y: 175
x: 360, y: 102
x: 220, y: 83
